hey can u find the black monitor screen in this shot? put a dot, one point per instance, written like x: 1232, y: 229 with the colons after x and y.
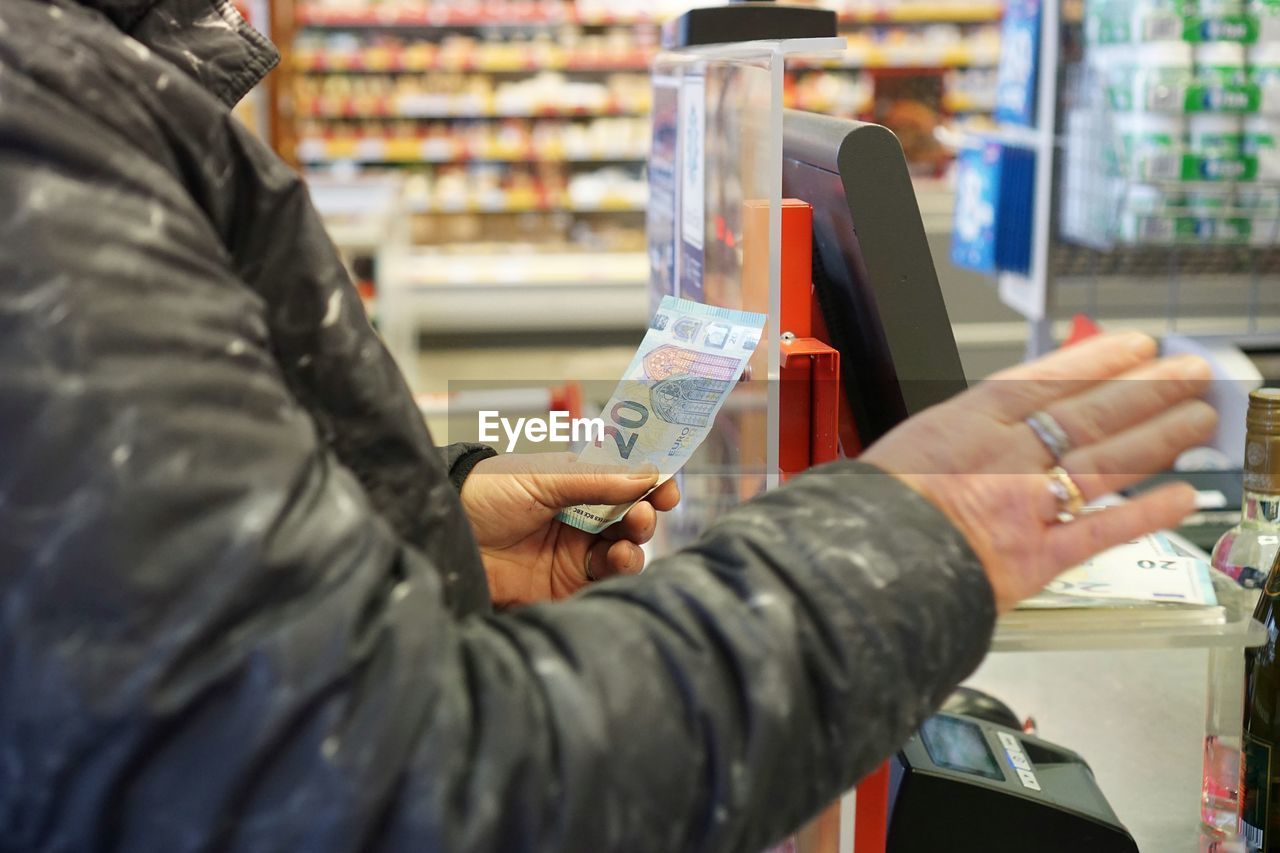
x: 960, y: 746
x: 873, y: 273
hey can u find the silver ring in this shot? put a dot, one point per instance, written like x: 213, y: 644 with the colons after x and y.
x: 1067, y: 493
x: 1051, y: 434
x: 591, y: 578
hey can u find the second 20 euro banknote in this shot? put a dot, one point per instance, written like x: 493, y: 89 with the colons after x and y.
x: 689, y: 361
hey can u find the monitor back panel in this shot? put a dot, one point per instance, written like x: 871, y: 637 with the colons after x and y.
x: 873, y: 273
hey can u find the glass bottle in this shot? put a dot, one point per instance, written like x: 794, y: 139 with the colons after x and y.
x: 1246, y: 553
x: 1235, y: 774
x: 1260, y: 758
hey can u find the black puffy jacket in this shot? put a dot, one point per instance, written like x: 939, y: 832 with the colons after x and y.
x: 240, y: 607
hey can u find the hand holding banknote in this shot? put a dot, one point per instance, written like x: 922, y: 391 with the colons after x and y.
x: 528, y: 554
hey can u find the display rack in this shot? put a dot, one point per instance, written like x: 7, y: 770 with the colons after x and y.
x: 493, y: 113
x: 1190, y: 248
x: 515, y: 127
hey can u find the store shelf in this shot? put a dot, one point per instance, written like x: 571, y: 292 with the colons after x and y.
x: 428, y: 18
x: 382, y: 61
x: 408, y: 65
x: 446, y: 151
x: 907, y: 13
x: 961, y: 102
x: 518, y: 205
x: 908, y: 55
x: 438, y: 107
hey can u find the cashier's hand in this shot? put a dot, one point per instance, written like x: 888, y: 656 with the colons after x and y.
x: 528, y: 554
x: 1127, y: 415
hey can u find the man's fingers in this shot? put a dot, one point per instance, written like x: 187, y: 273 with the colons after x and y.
x: 1072, y: 543
x: 1139, y: 452
x: 1110, y: 407
x: 610, y: 559
x: 665, y: 497
x: 583, y: 483
x: 1012, y: 394
x: 638, y: 525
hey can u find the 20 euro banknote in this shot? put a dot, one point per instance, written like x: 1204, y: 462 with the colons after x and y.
x: 689, y: 361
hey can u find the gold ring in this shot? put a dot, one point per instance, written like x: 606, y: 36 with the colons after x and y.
x: 1064, y: 489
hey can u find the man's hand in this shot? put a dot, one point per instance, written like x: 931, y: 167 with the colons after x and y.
x: 1127, y: 416
x: 531, y: 556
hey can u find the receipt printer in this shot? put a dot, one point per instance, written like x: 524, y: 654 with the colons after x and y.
x: 966, y: 785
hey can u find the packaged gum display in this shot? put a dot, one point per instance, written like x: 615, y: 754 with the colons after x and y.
x: 1162, y: 76
x: 1152, y: 143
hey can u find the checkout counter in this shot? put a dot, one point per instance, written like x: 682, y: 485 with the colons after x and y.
x: 845, y: 276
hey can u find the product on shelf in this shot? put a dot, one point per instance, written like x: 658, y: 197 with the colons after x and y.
x: 522, y: 188
x: 470, y: 12
x: 1152, y: 144
x: 1217, y: 135
x: 1019, y: 62
x: 1261, y: 141
x: 1264, y: 73
x: 992, y: 219
x: 446, y: 94
x: 1173, y: 131
x: 969, y: 90
x: 914, y: 10
x: 838, y: 94
x: 936, y: 45
x: 338, y: 51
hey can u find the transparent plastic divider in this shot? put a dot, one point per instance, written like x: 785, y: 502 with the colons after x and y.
x: 715, y: 237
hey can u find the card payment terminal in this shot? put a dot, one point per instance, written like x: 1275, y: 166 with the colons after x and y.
x: 965, y: 785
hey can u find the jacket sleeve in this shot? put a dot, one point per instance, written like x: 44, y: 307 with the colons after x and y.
x: 461, y: 458
x: 209, y: 638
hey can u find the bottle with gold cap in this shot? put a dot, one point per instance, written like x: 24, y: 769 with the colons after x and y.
x: 1250, y: 546
x: 1245, y: 552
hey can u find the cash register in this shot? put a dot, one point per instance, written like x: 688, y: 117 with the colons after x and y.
x: 966, y: 785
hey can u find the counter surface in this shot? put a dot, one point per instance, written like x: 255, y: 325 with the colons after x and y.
x: 1138, y: 718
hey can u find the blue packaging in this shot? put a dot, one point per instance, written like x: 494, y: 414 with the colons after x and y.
x: 1019, y: 61
x: 973, y: 236
x: 995, y: 191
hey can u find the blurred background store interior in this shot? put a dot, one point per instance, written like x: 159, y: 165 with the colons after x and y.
x: 505, y: 142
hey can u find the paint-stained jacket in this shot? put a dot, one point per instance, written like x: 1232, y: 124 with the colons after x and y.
x: 240, y: 606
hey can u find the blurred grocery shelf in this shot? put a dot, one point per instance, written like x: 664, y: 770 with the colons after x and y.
x: 481, y: 163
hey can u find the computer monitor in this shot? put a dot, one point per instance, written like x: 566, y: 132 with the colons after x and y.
x: 873, y: 274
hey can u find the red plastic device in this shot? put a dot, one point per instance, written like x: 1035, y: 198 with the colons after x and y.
x: 816, y: 427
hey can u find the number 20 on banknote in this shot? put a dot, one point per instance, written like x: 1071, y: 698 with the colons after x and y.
x: 666, y: 403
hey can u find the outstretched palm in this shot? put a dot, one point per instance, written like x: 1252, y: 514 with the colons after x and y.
x: 1127, y: 416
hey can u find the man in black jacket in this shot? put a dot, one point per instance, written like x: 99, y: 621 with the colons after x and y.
x: 243, y: 604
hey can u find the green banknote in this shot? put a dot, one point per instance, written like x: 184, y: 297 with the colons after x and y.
x: 689, y: 361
